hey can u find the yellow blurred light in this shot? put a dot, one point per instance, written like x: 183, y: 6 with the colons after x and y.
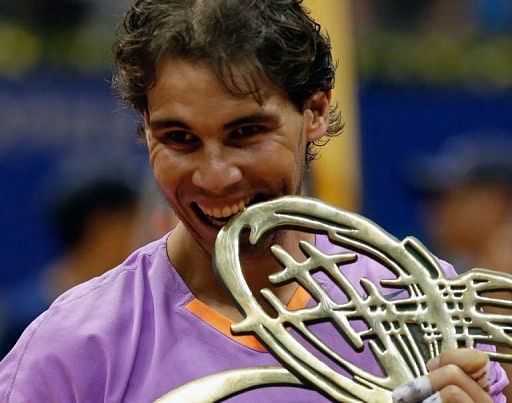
x: 336, y: 174
x: 20, y: 49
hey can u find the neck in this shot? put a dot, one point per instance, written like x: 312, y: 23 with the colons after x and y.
x: 195, y: 268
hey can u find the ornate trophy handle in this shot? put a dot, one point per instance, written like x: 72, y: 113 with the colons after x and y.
x: 436, y: 312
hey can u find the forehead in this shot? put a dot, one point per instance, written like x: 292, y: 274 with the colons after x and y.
x: 178, y: 80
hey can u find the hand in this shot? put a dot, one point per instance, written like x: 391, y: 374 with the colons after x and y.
x: 458, y: 376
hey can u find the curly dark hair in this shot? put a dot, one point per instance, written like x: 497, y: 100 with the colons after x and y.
x: 272, y: 42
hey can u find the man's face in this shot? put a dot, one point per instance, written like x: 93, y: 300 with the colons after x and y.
x: 214, y: 154
x: 462, y: 218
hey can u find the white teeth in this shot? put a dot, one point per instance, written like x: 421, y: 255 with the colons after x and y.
x: 214, y: 221
x: 241, y: 206
x: 227, y: 211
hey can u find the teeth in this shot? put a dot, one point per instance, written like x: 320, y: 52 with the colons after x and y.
x: 226, y: 211
x: 214, y: 221
x: 240, y: 207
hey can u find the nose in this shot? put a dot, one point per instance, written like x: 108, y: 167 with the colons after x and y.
x: 217, y: 170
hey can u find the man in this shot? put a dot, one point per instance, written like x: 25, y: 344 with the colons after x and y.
x: 466, y: 187
x: 94, y: 219
x: 233, y: 94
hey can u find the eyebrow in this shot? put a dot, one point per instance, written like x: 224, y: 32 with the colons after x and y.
x: 165, y: 123
x: 259, y: 117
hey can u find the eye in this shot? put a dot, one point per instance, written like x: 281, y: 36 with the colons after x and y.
x: 248, y: 130
x: 177, y: 138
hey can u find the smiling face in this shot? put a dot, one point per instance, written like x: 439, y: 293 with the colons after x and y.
x: 213, y: 154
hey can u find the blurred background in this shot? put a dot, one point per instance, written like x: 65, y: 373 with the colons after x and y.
x: 433, y: 79
x: 77, y: 195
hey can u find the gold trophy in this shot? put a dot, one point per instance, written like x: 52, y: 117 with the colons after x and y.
x: 433, y: 312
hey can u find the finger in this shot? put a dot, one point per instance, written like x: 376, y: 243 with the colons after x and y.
x: 441, y: 378
x: 435, y: 398
x: 469, y: 359
x: 452, y: 394
x: 413, y: 391
x: 482, y: 377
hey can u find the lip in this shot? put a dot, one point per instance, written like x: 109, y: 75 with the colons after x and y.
x: 197, y: 223
x: 203, y: 206
x: 212, y: 202
x: 214, y: 214
x: 226, y: 208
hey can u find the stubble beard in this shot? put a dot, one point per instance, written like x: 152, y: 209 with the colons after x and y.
x: 261, y: 251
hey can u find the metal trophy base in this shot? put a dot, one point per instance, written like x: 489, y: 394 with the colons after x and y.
x: 437, y: 313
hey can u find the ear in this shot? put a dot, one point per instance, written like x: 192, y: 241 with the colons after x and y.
x: 146, y: 126
x: 316, y: 115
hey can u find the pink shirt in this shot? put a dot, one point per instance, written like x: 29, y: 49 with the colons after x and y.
x: 137, y: 332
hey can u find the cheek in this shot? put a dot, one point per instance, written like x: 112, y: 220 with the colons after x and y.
x: 278, y: 154
x: 164, y: 169
x: 279, y: 168
x: 273, y: 165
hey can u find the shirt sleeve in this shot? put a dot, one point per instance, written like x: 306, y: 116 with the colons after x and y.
x: 49, y: 363
x: 26, y: 375
x: 499, y: 381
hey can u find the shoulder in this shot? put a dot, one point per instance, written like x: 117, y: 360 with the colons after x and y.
x: 106, y: 289
x: 146, y: 268
x: 90, y: 329
x: 366, y: 267
x: 371, y: 267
